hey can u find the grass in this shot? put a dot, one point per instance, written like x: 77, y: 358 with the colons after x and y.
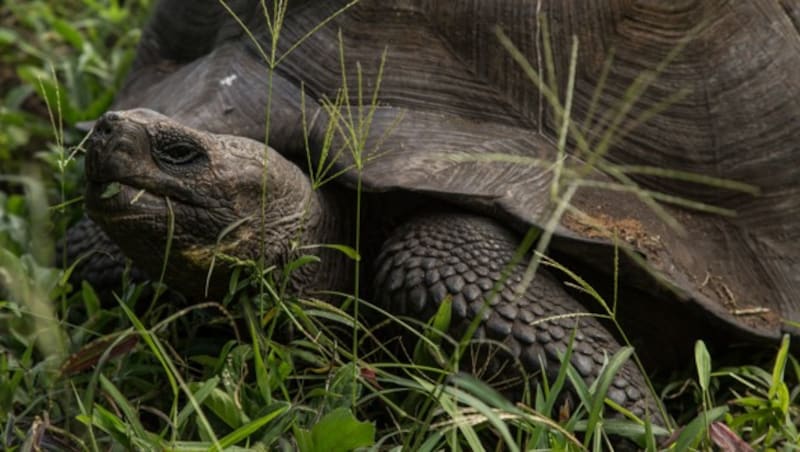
x: 262, y: 369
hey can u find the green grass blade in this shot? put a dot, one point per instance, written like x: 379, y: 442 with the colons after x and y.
x: 124, y: 405
x: 554, y: 391
x: 109, y: 423
x: 169, y: 368
x: 451, y: 399
x: 248, y: 429
x: 601, y: 388
x: 695, y: 430
x: 200, y: 392
x: 686, y: 176
x: 780, y: 366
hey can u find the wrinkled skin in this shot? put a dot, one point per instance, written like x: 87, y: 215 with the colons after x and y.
x: 144, y: 170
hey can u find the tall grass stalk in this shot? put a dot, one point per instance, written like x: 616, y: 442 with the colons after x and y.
x: 454, y: 411
x: 357, y: 131
x: 274, y: 21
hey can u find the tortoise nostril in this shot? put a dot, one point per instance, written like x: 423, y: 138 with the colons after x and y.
x: 105, y: 125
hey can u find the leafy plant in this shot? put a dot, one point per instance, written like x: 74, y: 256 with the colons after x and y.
x: 263, y: 369
x: 90, y: 52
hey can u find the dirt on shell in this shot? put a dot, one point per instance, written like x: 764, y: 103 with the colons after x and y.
x: 676, y: 257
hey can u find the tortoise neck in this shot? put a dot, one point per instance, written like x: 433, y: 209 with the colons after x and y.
x: 326, y: 219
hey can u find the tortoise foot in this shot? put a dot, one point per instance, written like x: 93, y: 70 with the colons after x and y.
x: 466, y: 257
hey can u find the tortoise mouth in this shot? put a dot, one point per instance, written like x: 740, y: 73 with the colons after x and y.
x: 115, y: 199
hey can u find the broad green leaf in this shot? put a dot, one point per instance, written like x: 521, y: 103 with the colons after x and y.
x: 703, y: 362
x: 337, y: 431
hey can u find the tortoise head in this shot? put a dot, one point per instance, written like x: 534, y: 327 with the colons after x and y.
x: 146, y: 172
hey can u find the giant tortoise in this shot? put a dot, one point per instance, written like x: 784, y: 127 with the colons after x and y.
x: 460, y: 157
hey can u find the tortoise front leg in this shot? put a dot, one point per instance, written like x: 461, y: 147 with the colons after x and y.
x: 100, y: 261
x: 462, y: 256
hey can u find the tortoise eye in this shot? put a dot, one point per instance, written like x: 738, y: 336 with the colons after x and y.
x: 178, y: 153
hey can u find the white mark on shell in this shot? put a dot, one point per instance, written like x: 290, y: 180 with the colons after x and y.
x: 228, y: 81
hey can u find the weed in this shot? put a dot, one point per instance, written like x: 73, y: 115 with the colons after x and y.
x: 156, y: 375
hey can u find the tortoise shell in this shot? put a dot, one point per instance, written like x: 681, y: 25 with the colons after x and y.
x: 703, y: 88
